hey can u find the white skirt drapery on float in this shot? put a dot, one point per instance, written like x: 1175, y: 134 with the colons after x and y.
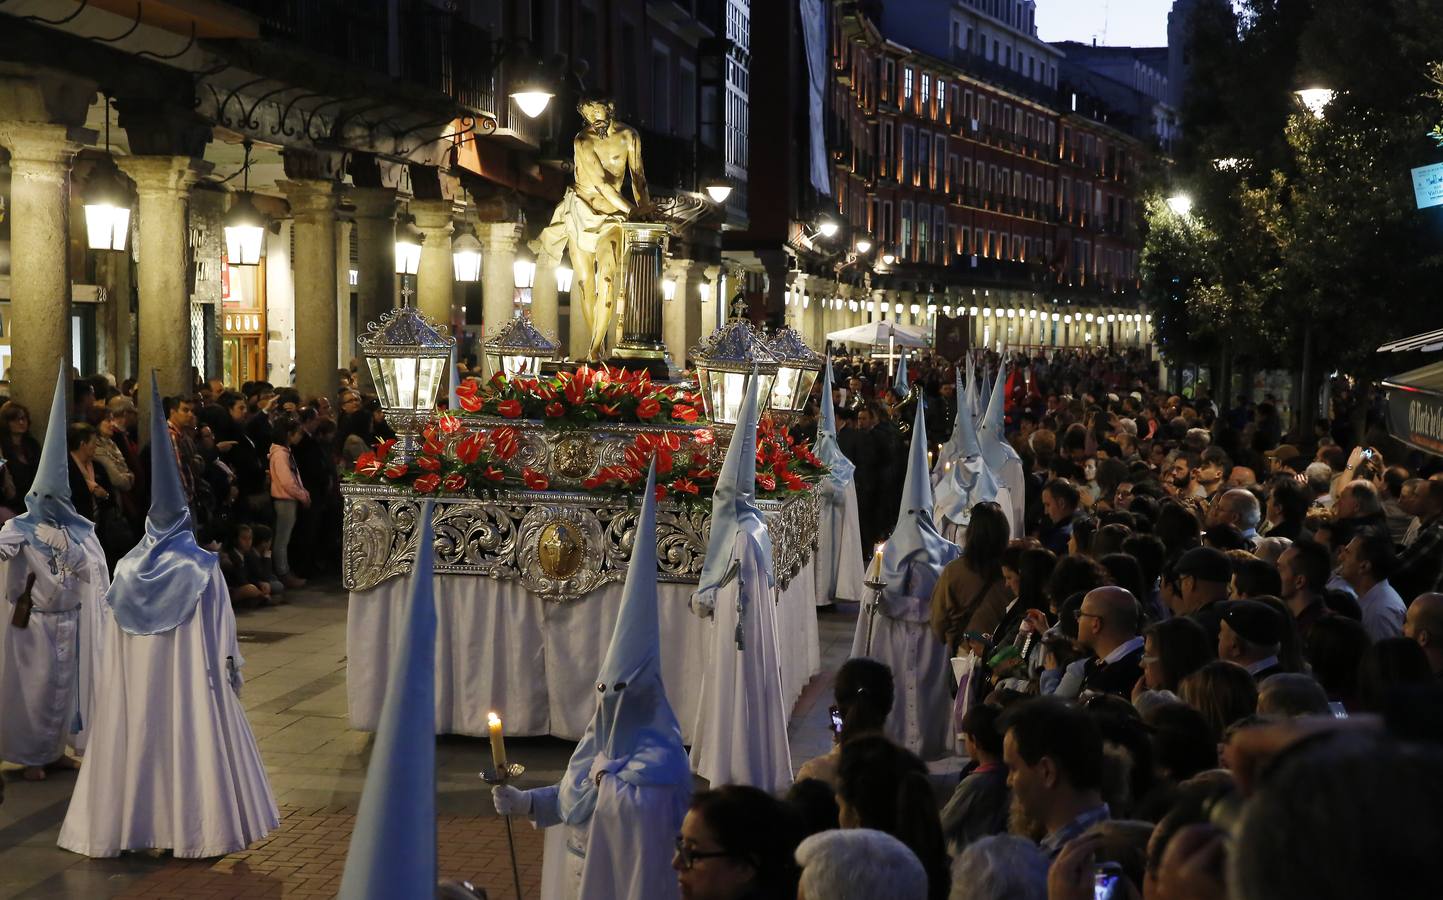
x: 173, y: 763
x: 499, y: 647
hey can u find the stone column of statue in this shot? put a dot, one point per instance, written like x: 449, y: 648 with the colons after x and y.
x: 588, y: 219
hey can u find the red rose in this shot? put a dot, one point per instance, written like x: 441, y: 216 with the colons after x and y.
x: 450, y: 424
x: 368, y: 465
x: 648, y: 408
x: 554, y: 410
x: 429, y: 463
x: 506, y: 441
x: 684, y: 486
x: 454, y: 482
x: 511, y: 409
x: 397, y: 470
x: 491, y: 473
x: 766, y: 482
x: 469, y: 447
x: 426, y: 483
x: 534, y: 480
x: 683, y: 413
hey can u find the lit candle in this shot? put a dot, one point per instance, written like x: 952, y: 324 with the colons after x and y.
x: 498, y: 744
x: 876, y: 571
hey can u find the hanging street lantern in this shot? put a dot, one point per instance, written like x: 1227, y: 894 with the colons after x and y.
x: 245, y: 227
x: 408, y: 246
x: 408, y: 355
x: 106, y: 201
x: 724, y: 361
x: 466, y: 255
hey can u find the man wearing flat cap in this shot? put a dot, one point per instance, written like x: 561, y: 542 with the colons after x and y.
x: 1251, y: 634
x: 1203, y: 574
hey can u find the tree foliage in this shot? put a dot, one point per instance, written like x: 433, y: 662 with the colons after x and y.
x: 1304, y: 223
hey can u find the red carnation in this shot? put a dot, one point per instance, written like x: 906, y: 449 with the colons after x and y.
x: 534, y: 480
x: 511, y: 409
x: 427, y: 483
x: 454, y: 482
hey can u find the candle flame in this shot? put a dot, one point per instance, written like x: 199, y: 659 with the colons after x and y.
x: 492, y: 719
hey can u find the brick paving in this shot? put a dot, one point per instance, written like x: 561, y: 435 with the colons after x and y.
x: 295, y: 699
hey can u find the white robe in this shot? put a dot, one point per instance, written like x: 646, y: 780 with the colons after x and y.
x: 741, y: 730
x: 901, y: 637
x: 839, y: 567
x: 1013, y: 496
x: 173, y: 764
x: 623, y: 852
x: 47, y: 668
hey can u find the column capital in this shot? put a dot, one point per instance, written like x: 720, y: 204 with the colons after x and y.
x: 680, y: 267
x: 311, y: 199
x: 373, y: 202
x: 163, y: 174
x: 500, y: 237
x: 42, y: 144
x: 433, y: 216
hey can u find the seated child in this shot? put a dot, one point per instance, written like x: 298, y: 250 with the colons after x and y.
x: 245, y: 590
x: 258, y: 561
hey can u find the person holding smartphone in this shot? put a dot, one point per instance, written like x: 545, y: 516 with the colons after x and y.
x: 863, y: 694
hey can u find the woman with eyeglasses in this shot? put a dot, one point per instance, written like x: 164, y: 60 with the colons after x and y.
x: 736, y: 843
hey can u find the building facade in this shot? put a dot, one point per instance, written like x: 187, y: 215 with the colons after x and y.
x: 340, y: 120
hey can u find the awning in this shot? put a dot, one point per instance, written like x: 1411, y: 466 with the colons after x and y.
x: 1415, y: 407
x: 1427, y: 341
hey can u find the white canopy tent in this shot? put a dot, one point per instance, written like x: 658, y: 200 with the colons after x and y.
x: 881, y: 333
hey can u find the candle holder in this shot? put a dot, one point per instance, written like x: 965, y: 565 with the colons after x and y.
x: 513, y: 770
x: 494, y: 778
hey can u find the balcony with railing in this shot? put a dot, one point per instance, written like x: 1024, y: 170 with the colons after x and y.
x: 999, y: 75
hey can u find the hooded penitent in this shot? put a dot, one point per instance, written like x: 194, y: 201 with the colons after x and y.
x: 915, y: 535
x: 159, y: 582
x: 393, y: 846
x: 734, y: 505
x: 48, y: 504
x: 900, y: 385
x: 634, y: 734
x: 839, y: 468
x: 990, y: 433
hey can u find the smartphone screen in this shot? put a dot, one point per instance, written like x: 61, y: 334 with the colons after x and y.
x: 836, y: 721
x: 1105, y: 883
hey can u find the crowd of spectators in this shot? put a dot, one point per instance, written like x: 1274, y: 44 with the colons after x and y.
x: 1210, y: 670
x: 260, y: 465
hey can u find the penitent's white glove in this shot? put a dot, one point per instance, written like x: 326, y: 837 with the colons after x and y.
x: 509, y: 801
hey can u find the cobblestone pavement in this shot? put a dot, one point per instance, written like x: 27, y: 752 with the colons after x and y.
x: 295, y: 695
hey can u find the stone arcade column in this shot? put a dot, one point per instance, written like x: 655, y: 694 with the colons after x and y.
x: 498, y: 285
x: 313, y: 204
x: 375, y: 257
x: 435, y: 278
x: 40, y: 157
x: 162, y: 183
x: 345, y: 339
x: 681, y: 324
x: 545, y: 302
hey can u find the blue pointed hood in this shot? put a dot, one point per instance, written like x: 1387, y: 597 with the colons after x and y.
x: 900, y: 385
x: 393, y: 844
x: 827, y: 449
x: 973, y: 404
x: 963, y: 442
x: 914, y: 533
x: 157, y: 585
x: 734, y: 505
x: 633, y: 734
x: 48, y: 503
x: 990, y: 433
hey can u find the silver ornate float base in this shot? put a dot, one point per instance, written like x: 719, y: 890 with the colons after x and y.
x: 561, y: 546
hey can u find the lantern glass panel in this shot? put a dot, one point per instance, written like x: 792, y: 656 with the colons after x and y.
x: 106, y: 226
x: 431, y: 371
x: 408, y: 257
x: 784, y: 394
x: 467, y: 264
x: 243, y: 244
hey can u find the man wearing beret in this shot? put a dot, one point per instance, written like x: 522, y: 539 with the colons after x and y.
x: 1251, y: 634
x: 1203, y: 574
